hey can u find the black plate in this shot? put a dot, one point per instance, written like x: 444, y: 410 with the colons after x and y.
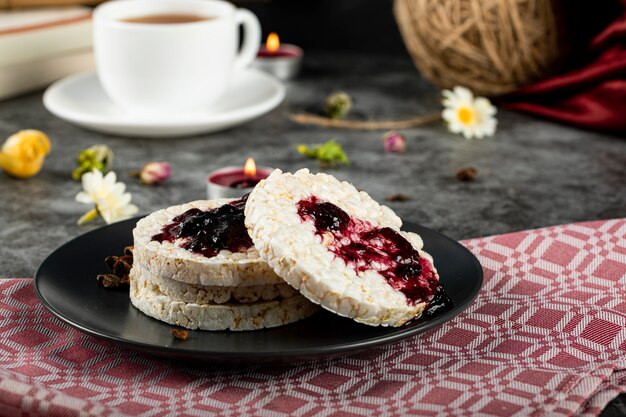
x: 65, y: 283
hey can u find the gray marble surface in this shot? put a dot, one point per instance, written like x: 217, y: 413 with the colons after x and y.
x: 533, y: 173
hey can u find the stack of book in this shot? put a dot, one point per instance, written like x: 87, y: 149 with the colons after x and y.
x: 41, y: 45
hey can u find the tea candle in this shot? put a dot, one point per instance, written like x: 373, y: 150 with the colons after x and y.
x: 235, y: 182
x: 281, y: 60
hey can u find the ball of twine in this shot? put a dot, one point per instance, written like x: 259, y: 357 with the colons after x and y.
x: 492, y: 47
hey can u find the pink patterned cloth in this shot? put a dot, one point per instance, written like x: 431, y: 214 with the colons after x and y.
x: 546, y: 336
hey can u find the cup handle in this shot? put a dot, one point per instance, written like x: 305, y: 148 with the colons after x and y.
x: 251, y: 37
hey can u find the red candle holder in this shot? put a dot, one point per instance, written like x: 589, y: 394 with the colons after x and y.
x: 281, y: 60
x: 233, y: 181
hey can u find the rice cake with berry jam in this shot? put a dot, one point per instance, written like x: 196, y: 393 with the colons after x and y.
x: 201, y: 243
x: 149, y: 299
x: 341, y: 249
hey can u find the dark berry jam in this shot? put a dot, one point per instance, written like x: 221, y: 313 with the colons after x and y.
x: 207, y: 232
x: 440, y: 303
x: 326, y: 216
x: 365, y: 247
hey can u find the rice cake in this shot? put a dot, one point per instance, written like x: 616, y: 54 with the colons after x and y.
x: 303, y: 256
x: 215, y: 294
x: 168, y: 260
x: 147, y: 297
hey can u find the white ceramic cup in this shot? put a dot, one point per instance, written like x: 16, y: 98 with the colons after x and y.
x: 171, y: 68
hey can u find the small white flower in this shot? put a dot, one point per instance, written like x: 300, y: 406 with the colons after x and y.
x: 469, y: 115
x: 108, y: 196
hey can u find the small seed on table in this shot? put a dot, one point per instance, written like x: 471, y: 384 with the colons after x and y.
x: 466, y: 174
x: 397, y: 197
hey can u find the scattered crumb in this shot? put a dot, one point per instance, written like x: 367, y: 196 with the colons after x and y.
x: 397, y: 197
x: 466, y: 174
x: 180, y: 334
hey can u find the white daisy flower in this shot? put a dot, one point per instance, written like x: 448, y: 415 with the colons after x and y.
x: 469, y: 115
x: 108, y: 196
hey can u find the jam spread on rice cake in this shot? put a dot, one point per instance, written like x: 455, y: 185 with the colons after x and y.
x: 208, y: 232
x: 362, y: 246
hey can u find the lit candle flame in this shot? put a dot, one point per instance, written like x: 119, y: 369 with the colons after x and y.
x: 273, y: 42
x: 250, y: 168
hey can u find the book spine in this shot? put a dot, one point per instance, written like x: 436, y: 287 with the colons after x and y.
x: 24, y: 78
x: 20, y: 47
x: 13, y: 4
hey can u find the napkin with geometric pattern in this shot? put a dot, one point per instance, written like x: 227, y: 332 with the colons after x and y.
x: 546, y: 336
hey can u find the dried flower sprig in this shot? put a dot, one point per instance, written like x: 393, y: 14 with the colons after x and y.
x: 474, y: 117
x: 97, y: 157
x: 338, y: 105
x: 328, y: 155
x: 108, y: 197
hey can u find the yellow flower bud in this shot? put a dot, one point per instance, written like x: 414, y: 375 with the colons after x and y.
x: 23, y: 153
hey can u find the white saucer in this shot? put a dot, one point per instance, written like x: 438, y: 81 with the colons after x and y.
x: 80, y: 99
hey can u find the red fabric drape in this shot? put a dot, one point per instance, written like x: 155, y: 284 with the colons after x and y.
x: 590, y: 93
